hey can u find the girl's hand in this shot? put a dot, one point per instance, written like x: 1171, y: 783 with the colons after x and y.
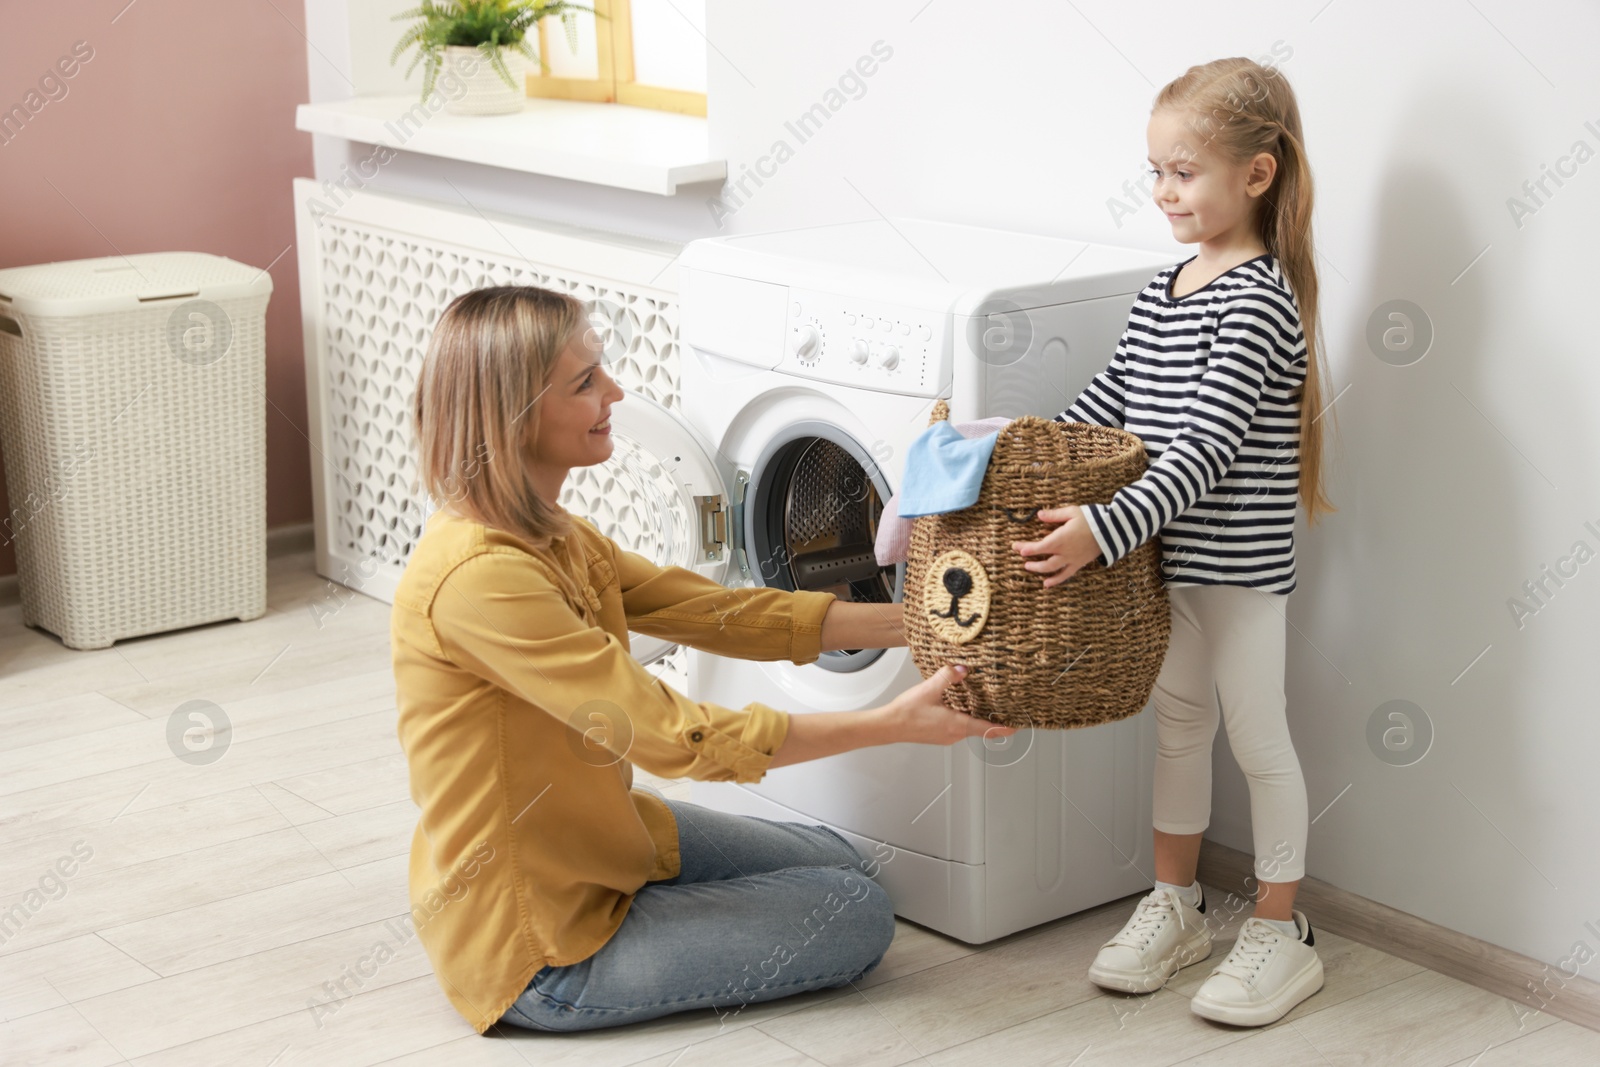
x: 920, y: 714
x: 1068, y: 549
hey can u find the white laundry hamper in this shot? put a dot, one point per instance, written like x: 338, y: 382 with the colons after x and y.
x: 132, y: 418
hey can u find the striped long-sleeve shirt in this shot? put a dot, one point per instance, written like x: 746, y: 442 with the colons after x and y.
x: 1210, y: 381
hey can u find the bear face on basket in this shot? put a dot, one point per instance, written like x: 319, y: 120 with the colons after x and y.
x: 1084, y: 652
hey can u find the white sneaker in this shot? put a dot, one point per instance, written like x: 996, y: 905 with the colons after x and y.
x: 1164, y: 935
x: 1265, y: 975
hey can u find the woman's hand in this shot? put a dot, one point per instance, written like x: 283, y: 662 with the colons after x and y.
x: 920, y: 714
x: 1068, y: 548
x: 917, y: 715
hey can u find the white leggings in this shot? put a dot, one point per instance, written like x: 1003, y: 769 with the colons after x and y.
x: 1228, y: 642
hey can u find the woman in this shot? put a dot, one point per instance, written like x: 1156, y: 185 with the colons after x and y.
x: 547, y: 891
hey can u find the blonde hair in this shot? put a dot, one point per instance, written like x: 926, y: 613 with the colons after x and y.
x: 476, y: 410
x: 1242, y: 109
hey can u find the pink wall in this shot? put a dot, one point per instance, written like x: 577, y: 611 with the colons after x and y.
x: 177, y: 135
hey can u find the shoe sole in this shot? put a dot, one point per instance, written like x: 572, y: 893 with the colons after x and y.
x: 1189, y: 952
x: 1301, y: 986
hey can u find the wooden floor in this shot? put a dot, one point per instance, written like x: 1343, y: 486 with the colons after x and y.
x: 207, y: 903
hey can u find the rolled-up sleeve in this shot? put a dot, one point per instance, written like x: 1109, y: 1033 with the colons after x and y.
x: 502, y: 616
x: 751, y: 622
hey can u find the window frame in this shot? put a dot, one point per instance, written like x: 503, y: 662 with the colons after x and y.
x: 615, y: 82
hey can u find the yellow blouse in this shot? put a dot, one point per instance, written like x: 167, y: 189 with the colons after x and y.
x: 521, y: 713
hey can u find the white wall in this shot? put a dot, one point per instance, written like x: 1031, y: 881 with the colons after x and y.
x: 1457, y: 477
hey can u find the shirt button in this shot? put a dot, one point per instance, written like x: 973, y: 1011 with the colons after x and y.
x: 697, y: 735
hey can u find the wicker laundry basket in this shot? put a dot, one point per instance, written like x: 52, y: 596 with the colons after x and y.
x: 1083, y: 652
x: 132, y: 417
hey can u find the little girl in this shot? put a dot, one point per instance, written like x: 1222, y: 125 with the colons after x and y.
x: 1217, y: 372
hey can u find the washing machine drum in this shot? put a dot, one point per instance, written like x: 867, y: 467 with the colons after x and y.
x: 814, y: 520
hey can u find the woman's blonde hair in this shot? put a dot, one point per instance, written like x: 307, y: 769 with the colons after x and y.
x: 492, y: 355
x: 1241, y: 108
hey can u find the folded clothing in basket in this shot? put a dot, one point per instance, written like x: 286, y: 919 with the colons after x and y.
x: 944, y: 472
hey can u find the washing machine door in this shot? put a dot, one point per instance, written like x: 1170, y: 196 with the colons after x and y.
x: 664, y: 493
x: 811, y: 509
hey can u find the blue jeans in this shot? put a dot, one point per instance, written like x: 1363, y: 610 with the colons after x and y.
x: 760, y: 910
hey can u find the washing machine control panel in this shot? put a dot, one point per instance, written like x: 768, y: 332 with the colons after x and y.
x: 863, y: 342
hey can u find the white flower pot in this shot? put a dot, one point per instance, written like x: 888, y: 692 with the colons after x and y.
x: 478, y: 89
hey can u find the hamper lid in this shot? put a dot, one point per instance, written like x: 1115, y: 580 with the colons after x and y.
x: 118, y: 283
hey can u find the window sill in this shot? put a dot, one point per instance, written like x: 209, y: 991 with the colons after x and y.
x: 604, y: 144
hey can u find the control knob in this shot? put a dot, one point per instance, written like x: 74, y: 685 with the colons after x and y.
x: 807, y: 341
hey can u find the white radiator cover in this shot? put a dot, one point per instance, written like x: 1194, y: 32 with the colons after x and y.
x: 376, y: 270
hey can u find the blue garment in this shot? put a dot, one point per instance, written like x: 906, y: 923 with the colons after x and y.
x: 704, y: 938
x: 944, y: 470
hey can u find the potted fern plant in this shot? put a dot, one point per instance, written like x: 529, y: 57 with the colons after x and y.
x: 461, y: 34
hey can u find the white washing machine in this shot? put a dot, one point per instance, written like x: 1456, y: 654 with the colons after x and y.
x: 810, y: 360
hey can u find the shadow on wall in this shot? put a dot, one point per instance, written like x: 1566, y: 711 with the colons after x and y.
x: 1413, y: 685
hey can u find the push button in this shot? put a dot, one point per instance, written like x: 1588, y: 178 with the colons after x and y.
x: 696, y: 736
